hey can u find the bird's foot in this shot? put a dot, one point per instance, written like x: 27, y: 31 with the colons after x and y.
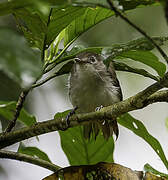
x: 99, y: 108
x: 67, y: 121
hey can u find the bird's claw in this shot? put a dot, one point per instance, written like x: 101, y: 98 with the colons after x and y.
x: 99, y: 108
x: 67, y: 121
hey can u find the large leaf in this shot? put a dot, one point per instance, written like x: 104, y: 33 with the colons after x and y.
x: 7, y: 110
x: 91, y: 17
x: 33, y: 151
x: 80, y: 151
x: 139, y: 129
x: 60, y: 18
x: 17, y: 60
x: 147, y: 58
x: 33, y: 26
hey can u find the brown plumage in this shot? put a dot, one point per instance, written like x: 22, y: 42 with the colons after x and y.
x: 92, y: 85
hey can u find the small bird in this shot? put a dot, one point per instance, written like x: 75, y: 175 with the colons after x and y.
x: 93, y: 85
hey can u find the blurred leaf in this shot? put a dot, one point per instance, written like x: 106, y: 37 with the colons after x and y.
x: 17, y: 60
x: 7, y: 110
x: 11, y: 6
x: 137, y: 44
x: 6, y: 85
x: 131, y: 4
x: 149, y: 168
x: 91, y: 17
x: 33, y: 151
x: 139, y: 129
x: 80, y: 151
x: 60, y: 18
x: 123, y: 4
x: 32, y: 25
x: 147, y: 58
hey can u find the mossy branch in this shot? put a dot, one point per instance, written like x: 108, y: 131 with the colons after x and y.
x: 29, y: 159
x: 140, y: 100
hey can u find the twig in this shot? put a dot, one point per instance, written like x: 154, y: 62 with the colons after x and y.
x: 45, y: 37
x: 19, y: 106
x: 29, y: 159
x: 137, y: 28
x: 140, y: 100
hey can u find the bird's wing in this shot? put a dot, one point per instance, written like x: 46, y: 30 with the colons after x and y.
x: 116, y: 83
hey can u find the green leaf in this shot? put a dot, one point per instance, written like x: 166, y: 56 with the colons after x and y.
x: 17, y: 60
x: 33, y: 151
x: 60, y: 18
x: 7, y: 110
x: 32, y: 25
x: 41, y: 5
x: 147, y: 58
x: 125, y: 5
x: 149, y: 168
x: 139, y: 129
x: 10, y: 7
x: 132, y: 4
x: 91, y: 17
x: 80, y: 151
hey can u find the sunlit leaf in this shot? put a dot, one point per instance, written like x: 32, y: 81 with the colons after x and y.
x: 17, y: 60
x: 60, y: 18
x: 139, y: 129
x: 33, y: 151
x: 91, y: 17
x: 7, y: 110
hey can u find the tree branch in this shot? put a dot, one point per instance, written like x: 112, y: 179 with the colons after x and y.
x: 29, y: 159
x: 119, y: 13
x: 19, y: 106
x: 140, y: 100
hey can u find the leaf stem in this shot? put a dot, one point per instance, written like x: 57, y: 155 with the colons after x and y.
x: 119, y: 13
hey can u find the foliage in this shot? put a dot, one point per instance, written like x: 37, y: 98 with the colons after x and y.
x: 49, y: 25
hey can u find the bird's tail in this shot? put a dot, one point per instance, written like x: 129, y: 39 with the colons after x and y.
x: 108, y: 129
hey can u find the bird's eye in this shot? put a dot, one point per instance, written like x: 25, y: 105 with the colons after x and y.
x: 92, y: 59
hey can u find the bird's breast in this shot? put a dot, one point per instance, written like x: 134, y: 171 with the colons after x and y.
x: 89, y: 90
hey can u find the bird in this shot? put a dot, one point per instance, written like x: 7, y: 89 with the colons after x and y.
x: 92, y: 85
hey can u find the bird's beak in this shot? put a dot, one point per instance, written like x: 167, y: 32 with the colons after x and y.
x: 77, y: 60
